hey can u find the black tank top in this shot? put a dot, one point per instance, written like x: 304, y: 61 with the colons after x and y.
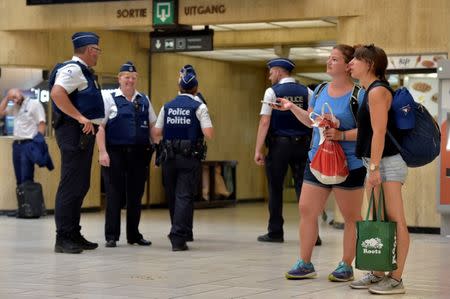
x: 365, y: 133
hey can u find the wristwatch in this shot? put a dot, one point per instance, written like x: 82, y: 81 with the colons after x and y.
x: 373, y: 167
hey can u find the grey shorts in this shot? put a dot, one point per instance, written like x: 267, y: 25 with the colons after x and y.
x: 392, y: 168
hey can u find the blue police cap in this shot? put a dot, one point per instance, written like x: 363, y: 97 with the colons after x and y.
x: 128, y: 67
x: 285, y: 63
x: 187, y: 69
x: 188, y: 81
x: 81, y: 39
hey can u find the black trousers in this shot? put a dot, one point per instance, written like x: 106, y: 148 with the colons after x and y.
x: 284, y: 152
x: 124, y: 182
x: 75, y: 177
x: 181, y: 178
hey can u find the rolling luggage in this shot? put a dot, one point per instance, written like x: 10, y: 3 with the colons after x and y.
x: 30, y: 200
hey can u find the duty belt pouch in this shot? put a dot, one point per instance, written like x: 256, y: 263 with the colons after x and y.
x: 86, y: 139
x: 57, y: 119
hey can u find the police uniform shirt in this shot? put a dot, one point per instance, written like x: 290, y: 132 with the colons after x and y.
x: 26, y: 118
x: 269, y: 96
x: 111, y: 107
x: 71, y: 77
x: 201, y: 113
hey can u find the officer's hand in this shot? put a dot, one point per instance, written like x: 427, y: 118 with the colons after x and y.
x: 282, y: 104
x: 259, y: 159
x: 88, y: 127
x: 103, y: 158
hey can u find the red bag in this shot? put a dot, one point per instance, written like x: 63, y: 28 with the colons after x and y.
x: 329, y: 165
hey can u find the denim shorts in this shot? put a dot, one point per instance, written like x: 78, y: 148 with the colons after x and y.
x: 392, y: 168
x: 355, y: 179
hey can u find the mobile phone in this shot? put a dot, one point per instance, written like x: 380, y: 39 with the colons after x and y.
x: 273, y: 103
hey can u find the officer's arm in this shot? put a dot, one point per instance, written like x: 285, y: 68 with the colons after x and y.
x: 263, y: 128
x: 156, y: 134
x: 208, y: 132
x: 101, y: 144
x: 61, y: 99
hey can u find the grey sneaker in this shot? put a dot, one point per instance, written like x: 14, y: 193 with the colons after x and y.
x: 388, y: 286
x: 366, y: 281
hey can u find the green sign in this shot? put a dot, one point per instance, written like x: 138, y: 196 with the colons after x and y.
x: 164, y: 13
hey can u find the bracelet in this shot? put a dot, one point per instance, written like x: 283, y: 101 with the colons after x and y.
x: 343, y: 135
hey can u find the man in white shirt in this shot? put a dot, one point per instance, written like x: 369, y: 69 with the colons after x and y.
x: 78, y: 109
x: 29, y: 120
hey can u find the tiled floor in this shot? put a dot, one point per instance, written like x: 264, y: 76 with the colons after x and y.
x: 225, y: 261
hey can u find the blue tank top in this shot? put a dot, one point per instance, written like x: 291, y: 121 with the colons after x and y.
x: 131, y: 125
x: 342, y: 111
x: 180, y: 120
x: 284, y: 123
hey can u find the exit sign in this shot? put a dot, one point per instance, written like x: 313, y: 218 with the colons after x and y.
x: 165, y: 13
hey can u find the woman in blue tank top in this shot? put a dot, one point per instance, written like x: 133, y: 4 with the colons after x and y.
x: 349, y: 194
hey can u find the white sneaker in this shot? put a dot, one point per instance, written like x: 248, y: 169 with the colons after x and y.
x: 388, y: 286
x: 366, y: 281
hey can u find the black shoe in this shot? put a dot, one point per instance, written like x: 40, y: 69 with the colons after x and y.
x: 141, y: 242
x: 267, y: 238
x: 83, y: 243
x: 181, y: 247
x: 110, y: 243
x: 189, y: 239
x: 318, y: 241
x: 67, y: 246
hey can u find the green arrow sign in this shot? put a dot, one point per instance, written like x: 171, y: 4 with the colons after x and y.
x: 163, y: 13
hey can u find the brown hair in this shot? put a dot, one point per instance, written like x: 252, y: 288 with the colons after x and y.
x: 346, y: 50
x: 376, y: 57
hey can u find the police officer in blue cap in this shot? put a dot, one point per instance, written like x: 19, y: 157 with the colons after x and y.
x: 287, y: 140
x: 125, y: 152
x: 78, y: 109
x: 182, y: 124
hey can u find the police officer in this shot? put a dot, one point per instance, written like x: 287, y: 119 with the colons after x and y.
x: 182, y: 123
x: 287, y: 140
x: 78, y: 107
x: 125, y: 152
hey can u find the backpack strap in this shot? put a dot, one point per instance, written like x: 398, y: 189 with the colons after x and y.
x: 354, y: 101
x: 319, y: 89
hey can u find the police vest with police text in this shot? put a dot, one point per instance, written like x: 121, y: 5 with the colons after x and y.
x: 131, y: 125
x: 89, y: 101
x: 284, y: 123
x: 180, y: 121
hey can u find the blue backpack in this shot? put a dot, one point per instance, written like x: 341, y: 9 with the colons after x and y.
x: 420, y: 140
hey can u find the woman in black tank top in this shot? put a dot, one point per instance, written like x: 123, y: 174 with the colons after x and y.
x: 373, y: 145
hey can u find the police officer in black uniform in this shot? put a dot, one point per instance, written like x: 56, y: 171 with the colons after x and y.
x: 287, y: 139
x: 78, y: 109
x: 125, y: 152
x: 182, y: 123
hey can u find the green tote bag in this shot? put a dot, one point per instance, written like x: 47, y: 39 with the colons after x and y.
x: 376, y: 244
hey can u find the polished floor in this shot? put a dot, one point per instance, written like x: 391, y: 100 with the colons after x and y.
x: 224, y: 261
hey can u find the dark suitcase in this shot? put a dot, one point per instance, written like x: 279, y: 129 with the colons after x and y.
x: 30, y: 200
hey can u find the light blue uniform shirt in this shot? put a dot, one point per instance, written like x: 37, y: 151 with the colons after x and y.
x: 342, y: 111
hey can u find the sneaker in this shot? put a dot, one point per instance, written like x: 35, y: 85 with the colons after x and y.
x: 366, y: 281
x: 388, y: 286
x: 343, y: 272
x: 66, y: 245
x: 301, y: 270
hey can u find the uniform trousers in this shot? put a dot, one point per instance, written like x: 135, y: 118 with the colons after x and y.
x: 75, y: 177
x: 124, y: 183
x: 284, y: 152
x: 23, y: 166
x: 181, y: 178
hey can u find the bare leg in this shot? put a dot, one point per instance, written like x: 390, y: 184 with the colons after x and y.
x: 349, y: 202
x: 311, y: 204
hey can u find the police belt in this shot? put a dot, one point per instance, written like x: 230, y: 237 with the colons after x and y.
x: 22, y: 141
x: 181, y: 146
x: 288, y: 139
